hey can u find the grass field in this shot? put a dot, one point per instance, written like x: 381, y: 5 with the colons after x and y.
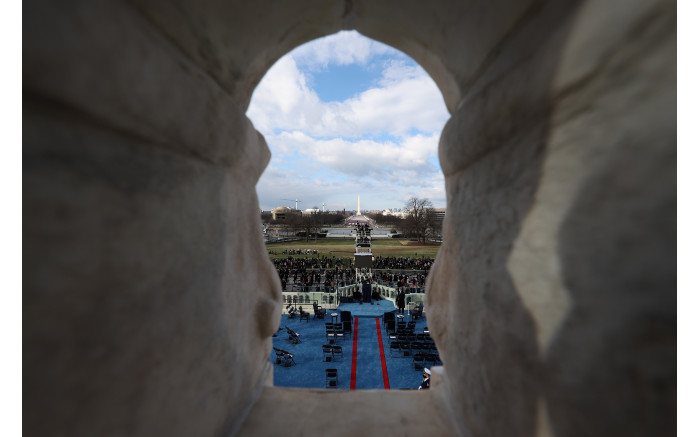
x: 346, y: 248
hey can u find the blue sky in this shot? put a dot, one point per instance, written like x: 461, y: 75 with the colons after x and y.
x: 345, y: 116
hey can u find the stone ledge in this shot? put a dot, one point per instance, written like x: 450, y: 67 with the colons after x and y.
x: 296, y: 411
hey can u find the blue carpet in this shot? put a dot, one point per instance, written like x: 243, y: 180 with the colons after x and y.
x: 309, y: 371
x: 374, y: 309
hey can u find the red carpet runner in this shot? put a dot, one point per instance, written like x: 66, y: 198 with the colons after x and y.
x: 381, y: 355
x: 353, y: 372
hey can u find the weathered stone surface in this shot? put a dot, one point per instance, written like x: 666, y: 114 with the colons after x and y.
x: 347, y: 413
x: 149, y: 300
x: 140, y: 287
x: 237, y: 43
x: 108, y: 62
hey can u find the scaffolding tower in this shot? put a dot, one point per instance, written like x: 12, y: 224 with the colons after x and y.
x: 363, y: 251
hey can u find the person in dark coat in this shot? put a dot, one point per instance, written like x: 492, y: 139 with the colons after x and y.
x: 366, y: 292
x: 401, y: 300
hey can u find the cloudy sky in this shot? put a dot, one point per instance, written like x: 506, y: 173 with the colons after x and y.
x: 346, y: 116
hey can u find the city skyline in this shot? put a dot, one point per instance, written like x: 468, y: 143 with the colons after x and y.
x: 345, y: 116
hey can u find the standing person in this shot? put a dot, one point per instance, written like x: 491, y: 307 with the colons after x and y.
x: 401, y: 300
x: 366, y: 291
x: 426, y: 379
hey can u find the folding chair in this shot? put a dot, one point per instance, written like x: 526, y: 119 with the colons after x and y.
x: 418, y: 361
x: 330, y: 335
x: 331, y: 378
x: 394, y: 347
x: 337, y: 351
x: 405, y: 348
x: 327, y: 352
x: 294, y: 337
x: 288, y: 360
x: 416, y: 347
x: 319, y: 313
x: 284, y: 358
x: 417, y: 313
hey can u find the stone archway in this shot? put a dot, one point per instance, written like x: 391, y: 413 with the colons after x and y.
x: 148, y: 294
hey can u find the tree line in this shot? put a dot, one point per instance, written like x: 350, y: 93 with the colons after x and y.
x: 419, y: 221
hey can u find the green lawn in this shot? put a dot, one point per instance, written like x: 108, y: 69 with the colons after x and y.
x: 346, y: 248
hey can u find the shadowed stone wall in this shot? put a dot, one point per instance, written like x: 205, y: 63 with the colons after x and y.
x: 553, y: 298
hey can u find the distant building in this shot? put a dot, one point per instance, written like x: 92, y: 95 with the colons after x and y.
x: 439, y: 214
x: 283, y: 213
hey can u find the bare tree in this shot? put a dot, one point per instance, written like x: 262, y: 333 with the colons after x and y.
x: 419, y: 217
x: 311, y: 224
x: 293, y: 223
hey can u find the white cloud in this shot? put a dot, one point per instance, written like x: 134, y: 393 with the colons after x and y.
x: 362, y: 157
x: 282, y: 97
x: 406, y: 100
x: 382, y: 142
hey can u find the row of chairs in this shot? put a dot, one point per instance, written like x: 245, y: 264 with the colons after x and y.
x: 334, y: 332
x: 410, y: 336
x: 406, y: 326
x: 284, y: 358
x: 410, y: 348
x: 319, y: 313
x: 422, y: 360
x: 393, y: 327
x: 332, y: 351
x: 298, y: 299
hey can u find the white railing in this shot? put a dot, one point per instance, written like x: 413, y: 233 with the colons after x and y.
x: 329, y: 298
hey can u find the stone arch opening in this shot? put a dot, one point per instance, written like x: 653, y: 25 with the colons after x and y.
x: 338, y: 128
x: 530, y: 111
x: 550, y: 103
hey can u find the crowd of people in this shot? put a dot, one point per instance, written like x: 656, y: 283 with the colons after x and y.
x: 400, y: 279
x: 325, y: 271
x: 336, y: 271
x: 294, y: 252
x: 403, y: 263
